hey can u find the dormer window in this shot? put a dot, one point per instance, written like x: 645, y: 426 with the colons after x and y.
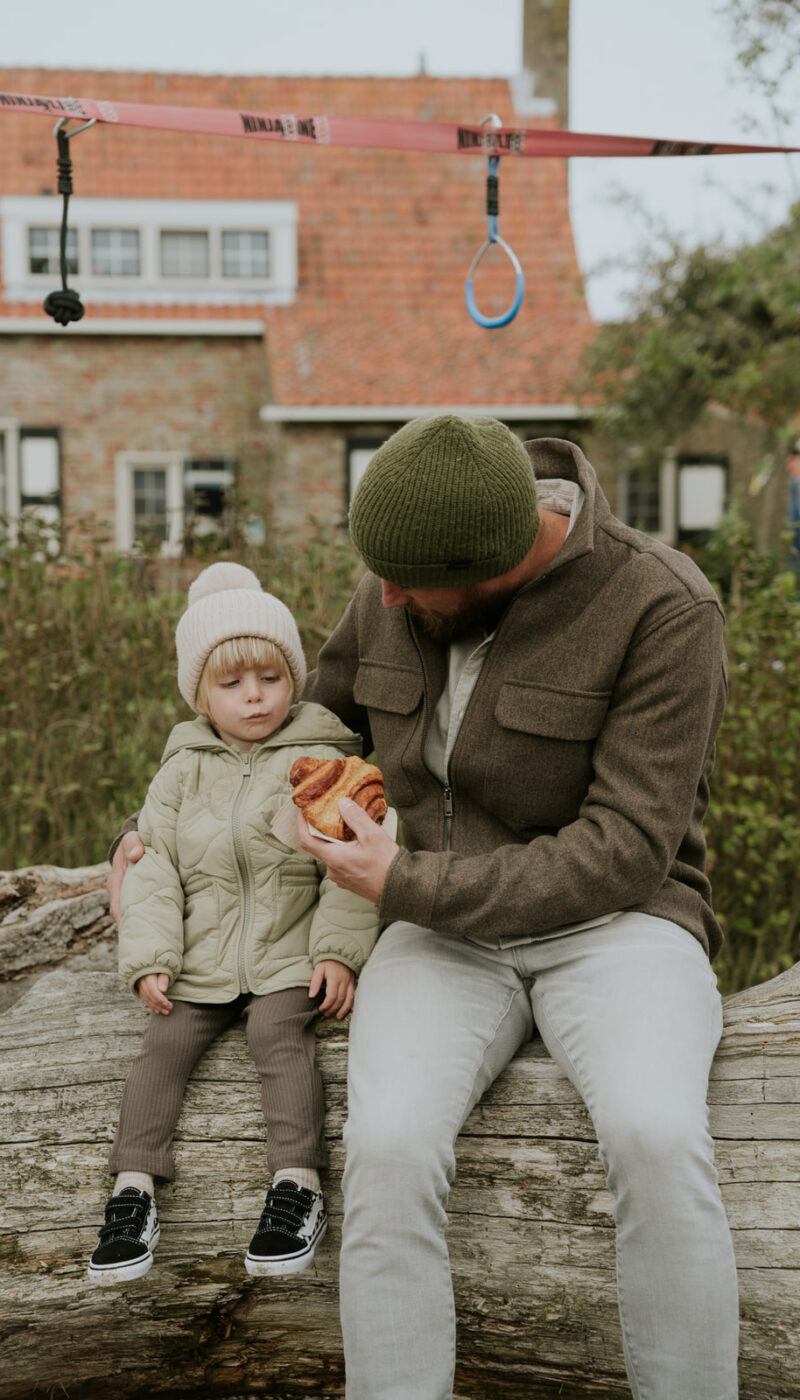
x: 150, y: 251
x: 115, y: 252
x: 184, y: 254
x: 245, y: 254
x: 44, y: 251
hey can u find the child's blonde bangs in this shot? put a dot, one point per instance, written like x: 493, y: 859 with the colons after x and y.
x: 239, y: 654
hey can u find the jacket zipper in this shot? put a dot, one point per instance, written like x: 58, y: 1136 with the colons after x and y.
x: 245, y: 874
x: 449, y: 810
x: 447, y: 791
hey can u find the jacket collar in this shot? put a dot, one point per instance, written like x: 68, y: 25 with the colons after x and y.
x: 553, y: 458
x: 305, y: 723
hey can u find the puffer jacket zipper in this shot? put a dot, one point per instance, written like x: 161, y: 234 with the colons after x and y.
x: 244, y: 871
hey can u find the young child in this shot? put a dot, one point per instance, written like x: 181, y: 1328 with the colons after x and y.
x: 221, y: 920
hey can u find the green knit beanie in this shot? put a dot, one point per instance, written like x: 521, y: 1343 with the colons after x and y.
x: 447, y: 501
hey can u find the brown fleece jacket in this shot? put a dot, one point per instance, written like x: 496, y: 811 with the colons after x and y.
x: 580, y: 775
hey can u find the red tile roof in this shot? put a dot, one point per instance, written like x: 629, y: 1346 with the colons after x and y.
x: 385, y: 238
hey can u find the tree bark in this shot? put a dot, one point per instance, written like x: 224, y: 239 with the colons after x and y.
x: 50, y: 917
x: 531, y: 1232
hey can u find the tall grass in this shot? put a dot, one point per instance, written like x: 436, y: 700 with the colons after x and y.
x: 753, y: 825
x: 88, y: 695
x: 88, y: 689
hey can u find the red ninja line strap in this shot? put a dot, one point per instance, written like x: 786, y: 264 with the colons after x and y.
x: 378, y: 133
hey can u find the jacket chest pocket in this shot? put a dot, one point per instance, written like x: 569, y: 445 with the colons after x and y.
x: 393, y: 697
x: 540, y: 759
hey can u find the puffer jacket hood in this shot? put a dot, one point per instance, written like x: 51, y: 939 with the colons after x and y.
x: 305, y: 723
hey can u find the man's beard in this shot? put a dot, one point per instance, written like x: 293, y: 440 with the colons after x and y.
x: 479, y: 615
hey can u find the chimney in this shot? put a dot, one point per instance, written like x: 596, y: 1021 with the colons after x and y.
x: 543, y: 87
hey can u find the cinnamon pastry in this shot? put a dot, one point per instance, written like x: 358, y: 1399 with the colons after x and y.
x: 319, y: 783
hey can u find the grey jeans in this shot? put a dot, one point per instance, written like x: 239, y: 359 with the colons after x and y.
x: 631, y: 1013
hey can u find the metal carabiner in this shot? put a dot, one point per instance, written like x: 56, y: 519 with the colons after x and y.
x: 62, y: 122
x: 492, y: 210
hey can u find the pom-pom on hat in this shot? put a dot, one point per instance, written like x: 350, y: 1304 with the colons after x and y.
x: 226, y: 601
x: 446, y: 501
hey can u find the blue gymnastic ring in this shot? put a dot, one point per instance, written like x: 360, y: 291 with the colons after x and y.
x: 492, y: 322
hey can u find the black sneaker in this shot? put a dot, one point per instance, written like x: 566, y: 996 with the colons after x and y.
x: 127, y: 1238
x: 292, y: 1222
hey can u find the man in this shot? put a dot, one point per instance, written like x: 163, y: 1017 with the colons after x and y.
x: 542, y: 687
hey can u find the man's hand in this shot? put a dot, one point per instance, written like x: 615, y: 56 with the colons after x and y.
x: 360, y: 866
x: 151, y: 989
x: 340, y: 987
x: 129, y: 850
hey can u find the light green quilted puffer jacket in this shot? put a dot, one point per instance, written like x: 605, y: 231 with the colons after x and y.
x: 216, y: 901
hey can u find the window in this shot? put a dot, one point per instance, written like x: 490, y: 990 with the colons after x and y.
x: 702, y: 493
x: 115, y: 252
x: 4, y: 482
x: 360, y: 452
x: 150, y: 513
x: 40, y: 478
x: 9, y: 473
x: 639, y: 498
x: 30, y: 478
x: 245, y: 254
x: 184, y: 255
x: 677, y: 500
x: 44, y: 251
x: 206, y: 495
x: 162, y: 498
x: 152, y: 251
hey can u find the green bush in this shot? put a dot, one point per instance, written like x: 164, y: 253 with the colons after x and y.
x: 88, y: 696
x: 88, y: 690
x: 753, y: 824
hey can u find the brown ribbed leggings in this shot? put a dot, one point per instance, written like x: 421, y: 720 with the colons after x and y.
x: 280, y: 1034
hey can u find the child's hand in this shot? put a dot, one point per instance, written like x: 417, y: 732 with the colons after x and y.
x: 340, y: 987
x: 151, y: 989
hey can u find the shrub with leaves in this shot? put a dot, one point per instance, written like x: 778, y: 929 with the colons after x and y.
x: 708, y: 325
x: 88, y: 690
x: 753, y: 824
x: 88, y: 696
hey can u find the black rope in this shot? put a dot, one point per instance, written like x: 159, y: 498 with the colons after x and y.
x: 492, y: 195
x: 66, y: 305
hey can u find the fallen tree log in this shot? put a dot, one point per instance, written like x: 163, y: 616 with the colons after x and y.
x: 51, y: 917
x: 531, y: 1233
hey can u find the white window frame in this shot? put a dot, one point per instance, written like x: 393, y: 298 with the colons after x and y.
x: 54, y: 250
x: 698, y: 463
x: 125, y: 465
x: 237, y: 233
x: 277, y: 218
x: 112, y: 276
x: 9, y: 430
x: 359, y: 454
x: 175, y: 466
x: 667, y: 488
x: 187, y: 278
x: 671, y: 530
x: 13, y: 433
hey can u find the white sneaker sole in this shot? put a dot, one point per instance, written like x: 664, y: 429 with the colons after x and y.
x: 123, y: 1273
x: 282, y: 1264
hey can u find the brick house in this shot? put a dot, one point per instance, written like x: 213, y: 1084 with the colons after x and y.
x: 260, y: 317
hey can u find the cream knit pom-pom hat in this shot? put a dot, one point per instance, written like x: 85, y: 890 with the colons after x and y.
x: 225, y: 601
